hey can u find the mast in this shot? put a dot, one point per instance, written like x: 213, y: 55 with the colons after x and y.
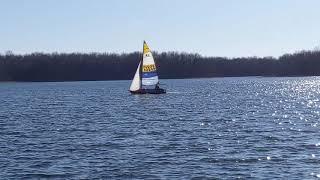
x: 141, y: 64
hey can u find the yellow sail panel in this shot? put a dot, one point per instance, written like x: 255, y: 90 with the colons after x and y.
x: 145, y: 48
x: 149, y: 68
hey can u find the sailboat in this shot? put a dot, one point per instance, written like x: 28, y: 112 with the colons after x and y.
x: 145, y: 80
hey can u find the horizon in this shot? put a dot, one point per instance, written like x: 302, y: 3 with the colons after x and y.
x: 316, y: 49
x: 209, y: 28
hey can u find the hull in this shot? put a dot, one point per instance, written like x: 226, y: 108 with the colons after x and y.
x: 149, y: 91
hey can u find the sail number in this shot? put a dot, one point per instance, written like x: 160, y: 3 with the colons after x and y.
x: 148, y: 68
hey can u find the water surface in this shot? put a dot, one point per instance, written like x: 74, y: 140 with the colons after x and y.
x: 261, y: 128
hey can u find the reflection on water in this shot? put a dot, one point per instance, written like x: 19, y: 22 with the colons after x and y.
x: 202, y: 128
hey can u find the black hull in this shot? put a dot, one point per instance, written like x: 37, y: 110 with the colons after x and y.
x: 149, y: 91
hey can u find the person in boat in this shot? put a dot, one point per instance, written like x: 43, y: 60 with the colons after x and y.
x: 157, y: 86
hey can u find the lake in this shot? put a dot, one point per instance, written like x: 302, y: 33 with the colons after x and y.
x: 248, y: 127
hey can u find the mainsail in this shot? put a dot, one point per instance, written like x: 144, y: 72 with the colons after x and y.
x: 136, y: 82
x: 149, y: 70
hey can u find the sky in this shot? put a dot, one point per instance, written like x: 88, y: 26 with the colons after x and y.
x: 229, y: 28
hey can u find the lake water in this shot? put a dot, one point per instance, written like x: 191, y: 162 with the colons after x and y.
x: 260, y: 128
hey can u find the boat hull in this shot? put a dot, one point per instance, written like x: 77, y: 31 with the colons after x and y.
x: 149, y: 91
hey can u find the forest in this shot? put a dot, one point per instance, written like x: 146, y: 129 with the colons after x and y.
x: 111, y: 66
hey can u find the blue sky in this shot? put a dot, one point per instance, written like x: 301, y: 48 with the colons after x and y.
x: 209, y: 27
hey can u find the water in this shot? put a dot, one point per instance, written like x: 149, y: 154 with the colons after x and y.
x: 260, y: 128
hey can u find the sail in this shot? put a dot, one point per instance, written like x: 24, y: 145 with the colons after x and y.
x: 136, y: 82
x: 149, y: 70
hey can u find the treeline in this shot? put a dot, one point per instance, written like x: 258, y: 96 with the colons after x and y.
x: 103, y: 66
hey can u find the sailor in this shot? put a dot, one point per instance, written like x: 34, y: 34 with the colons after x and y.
x: 157, y: 86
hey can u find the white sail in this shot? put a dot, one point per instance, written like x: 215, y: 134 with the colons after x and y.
x: 149, y: 70
x: 136, y: 82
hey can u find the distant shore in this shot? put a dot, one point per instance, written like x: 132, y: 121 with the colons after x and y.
x: 57, y: 67
x: 161, y: 79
